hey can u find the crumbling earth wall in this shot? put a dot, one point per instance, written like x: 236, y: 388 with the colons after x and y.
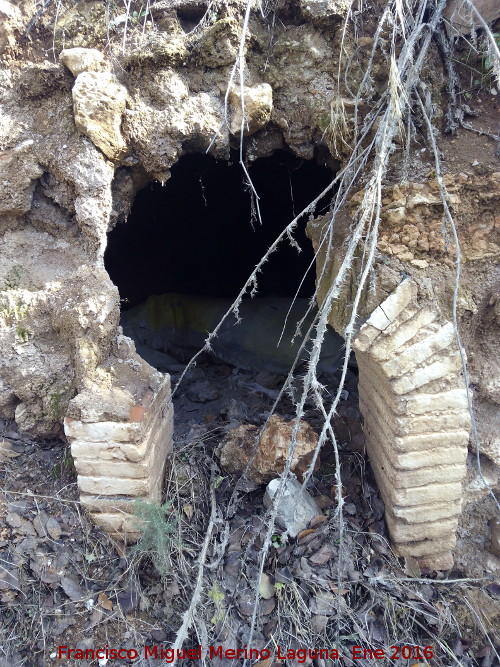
x: 83, y: 130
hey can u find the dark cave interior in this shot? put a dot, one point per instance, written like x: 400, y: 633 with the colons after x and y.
x: 196, y: 235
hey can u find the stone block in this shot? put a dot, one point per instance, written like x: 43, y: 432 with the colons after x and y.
x: 446, y: 463
x: 437, y: 561
x: 395, y: 304
x: 79, y: 60
x: 121, y: 504
x: 427, y: 472
x: 104, y: 432
x: 425, y: 404
x: 387, y: 345
x: 446, y: 367
x: 414, y: 355
x: 104, y: 468
x: 381, y: 407
x: 104, y: 451
x: 419, y: 495
x: 158, y: 444
x: 404, y: 316
x: 431, y: 512
x: 365, y: 337
x: 426, y: 548
x: 109, y: 504
x: 119, y: 461
x: 111, y: 486
x: 112, y: 450
x: 117, y: 523
x: 407, y: 532
x: 413, y: 443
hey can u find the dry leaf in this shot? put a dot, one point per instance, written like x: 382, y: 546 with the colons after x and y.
x: 53, y: 528
x: 317, y: 520
x: 72, y: 588
x: 188, y: 510
x: 412, y: 568
x: 104, y: 602
x: 324, y: 502
x: 304, y: 533
x: 323, y: 554
x: 6, y: 451
x: 335, y: 589
x: 263, y: 663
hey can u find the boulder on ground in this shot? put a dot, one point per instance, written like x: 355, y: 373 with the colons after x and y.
x: 269, y: 452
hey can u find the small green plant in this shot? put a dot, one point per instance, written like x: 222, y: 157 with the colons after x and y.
x: 65, y: 466
x: 13, y: 279
x: 13, y: 307
x: 216, y: 595
x: 23, y: 333
x: 279, y: 587
x: 278, y: 540
x: 57, y: 405
x: 218, y: 481
x: 482, y: 63
x: 159, y: 539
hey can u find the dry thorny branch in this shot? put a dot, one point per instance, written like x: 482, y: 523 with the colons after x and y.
x: 409, y: 28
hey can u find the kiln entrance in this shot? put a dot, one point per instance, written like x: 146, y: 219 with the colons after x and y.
x: 197, y: 235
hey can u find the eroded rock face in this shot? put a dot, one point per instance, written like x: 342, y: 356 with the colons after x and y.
x: 79, y: 60
x: 10, y: 23
x: 266, y: 455
x: 99, y: 102
x: 257, y: 104
x: 324, y: 11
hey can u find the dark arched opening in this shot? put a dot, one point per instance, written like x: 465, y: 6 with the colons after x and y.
x: 197, y: 234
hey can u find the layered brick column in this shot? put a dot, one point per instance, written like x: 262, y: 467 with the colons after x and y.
x: 120, y: 452
x: 413, y: 401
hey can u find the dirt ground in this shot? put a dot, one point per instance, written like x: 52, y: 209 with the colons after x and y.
x: 63, y: 583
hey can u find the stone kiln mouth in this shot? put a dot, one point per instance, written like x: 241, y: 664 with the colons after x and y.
x: 199, y: 233
x: 197, y: 236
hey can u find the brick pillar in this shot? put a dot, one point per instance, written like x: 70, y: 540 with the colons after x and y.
x: 413, y: 401
x: 119, y: 444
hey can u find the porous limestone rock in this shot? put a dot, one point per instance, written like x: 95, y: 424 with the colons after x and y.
x: 295, y: 508
x: 10, y: 22
x: 324, y: 11
x: 83, y: 24
x: 43, y: 326
x: 163, y: 113
x: 266, y: 454
x: 461, y: 18
x: 218, y: 45
x: 99, y: 101
x: 79, y: 60
x: 19, y: 171
x: 258, y: 104
x: 412, y: 222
